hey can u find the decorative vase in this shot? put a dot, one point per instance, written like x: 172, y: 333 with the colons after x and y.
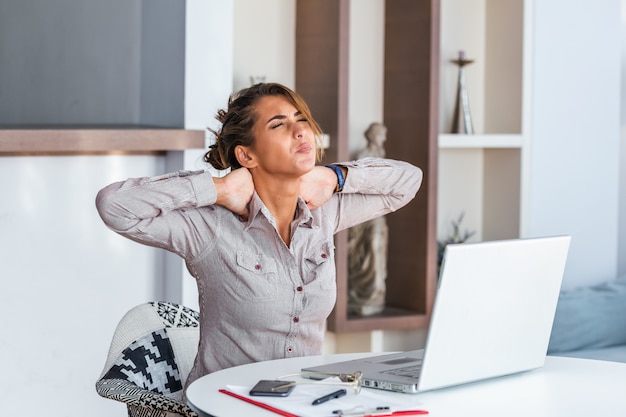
x: 462, y: 119
x: 256, y: 79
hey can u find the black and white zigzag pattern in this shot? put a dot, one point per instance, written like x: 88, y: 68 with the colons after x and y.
x: 149, y: 363
x: 174, y: 315
x: 142, y: 403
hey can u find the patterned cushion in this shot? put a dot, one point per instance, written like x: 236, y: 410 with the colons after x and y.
x: 149, y: 363
x: 142, y: 403
x: 151, y: 355
x: 174, y: 315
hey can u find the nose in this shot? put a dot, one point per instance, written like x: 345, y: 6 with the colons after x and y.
x: 298, y: 131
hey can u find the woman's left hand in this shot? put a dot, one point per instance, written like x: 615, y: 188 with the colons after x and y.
x: 317, y: 186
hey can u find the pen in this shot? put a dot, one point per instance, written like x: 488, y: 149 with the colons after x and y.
x: 336, y: 394
x: 379, y: 412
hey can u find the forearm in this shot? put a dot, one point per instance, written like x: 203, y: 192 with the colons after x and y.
x: 123, y: 205
x: 377, y: 176
x: 374, y: 187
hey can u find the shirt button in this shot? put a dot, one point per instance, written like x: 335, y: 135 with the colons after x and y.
x: 295, y: 319
x: 299, y: 289
x: 257, y: 267
x: 324, y: 256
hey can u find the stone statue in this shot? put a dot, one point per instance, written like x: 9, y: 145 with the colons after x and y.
x: 367, y: 246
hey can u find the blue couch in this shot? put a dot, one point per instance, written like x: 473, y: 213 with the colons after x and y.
x: 590, y: 322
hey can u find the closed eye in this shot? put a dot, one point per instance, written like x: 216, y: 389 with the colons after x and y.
x: 278, y: 120
x: 277, y: 125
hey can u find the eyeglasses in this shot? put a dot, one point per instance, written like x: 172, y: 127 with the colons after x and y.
x: 354, y: 380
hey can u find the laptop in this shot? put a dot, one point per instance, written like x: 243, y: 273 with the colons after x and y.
x: 492, y: 316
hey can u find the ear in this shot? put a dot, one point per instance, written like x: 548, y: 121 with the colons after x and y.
x: 245, y: 157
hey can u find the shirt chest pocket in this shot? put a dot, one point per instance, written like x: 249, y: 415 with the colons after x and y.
x: 257, y: 277
x: 320, y: 265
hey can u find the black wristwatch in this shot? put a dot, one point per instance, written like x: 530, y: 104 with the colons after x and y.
x: 340, y: 179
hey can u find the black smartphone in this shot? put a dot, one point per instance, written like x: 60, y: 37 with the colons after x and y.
x: 268, y: 388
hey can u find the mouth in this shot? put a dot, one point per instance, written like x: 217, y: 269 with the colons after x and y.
x: 304, y: 148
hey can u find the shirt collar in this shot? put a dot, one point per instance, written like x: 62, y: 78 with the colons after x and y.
x: 303, y: 214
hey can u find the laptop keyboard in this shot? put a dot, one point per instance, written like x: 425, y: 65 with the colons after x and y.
x: 409, y: 371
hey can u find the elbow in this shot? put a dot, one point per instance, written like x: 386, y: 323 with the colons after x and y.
x: 418, y: 178
x: 109, y: 210
x: 410, y: 183
x: 413, y: 178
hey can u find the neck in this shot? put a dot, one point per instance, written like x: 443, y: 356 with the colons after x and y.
x: 281, y: 198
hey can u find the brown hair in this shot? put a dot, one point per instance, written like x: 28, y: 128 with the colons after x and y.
x: 239, y: 119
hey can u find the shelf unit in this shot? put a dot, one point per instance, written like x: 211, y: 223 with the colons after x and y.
x: 478, y: 141
x: 411, y: 116
x: 481, y: 175
x: 80, y: 141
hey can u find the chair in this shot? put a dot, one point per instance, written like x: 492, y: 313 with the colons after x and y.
x: 151, y: 355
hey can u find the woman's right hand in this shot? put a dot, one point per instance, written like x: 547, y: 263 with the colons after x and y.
x: 234, y: 191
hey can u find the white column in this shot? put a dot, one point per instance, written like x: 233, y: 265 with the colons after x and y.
x: 574, y: 159
x: 208, y: 83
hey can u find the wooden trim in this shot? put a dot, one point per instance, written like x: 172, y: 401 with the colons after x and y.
x: 411, y: 116
x: 322, y: 59
x: 390, y: 319
x: 88, y: 141
x: 322, y: 72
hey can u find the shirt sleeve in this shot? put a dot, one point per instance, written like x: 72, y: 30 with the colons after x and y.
x: 161, y: 211
x: 373, y: 187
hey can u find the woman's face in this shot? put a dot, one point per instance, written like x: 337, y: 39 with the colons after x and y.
x: 284, y: 141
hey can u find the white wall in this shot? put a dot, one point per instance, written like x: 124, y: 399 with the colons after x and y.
x: 366, y: 69
x: 621, y: 266
x: 574, y: 153
x: 208, y: 83
x: 65, y: 281
x: 264, y: 42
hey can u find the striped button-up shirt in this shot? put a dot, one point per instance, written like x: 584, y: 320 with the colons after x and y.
x: 259, y: 299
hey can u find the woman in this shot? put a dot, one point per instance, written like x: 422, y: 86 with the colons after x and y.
x: 259, y: 240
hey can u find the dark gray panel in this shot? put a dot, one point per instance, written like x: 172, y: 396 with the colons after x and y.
x: 88, y: 62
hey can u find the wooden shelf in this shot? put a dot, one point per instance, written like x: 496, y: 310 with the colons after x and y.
x: 486, y: 141
x: 390, y: 319
x: 86, y: 141
x: 411, y: 117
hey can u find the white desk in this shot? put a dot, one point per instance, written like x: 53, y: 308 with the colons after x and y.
x: 566, y: 387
